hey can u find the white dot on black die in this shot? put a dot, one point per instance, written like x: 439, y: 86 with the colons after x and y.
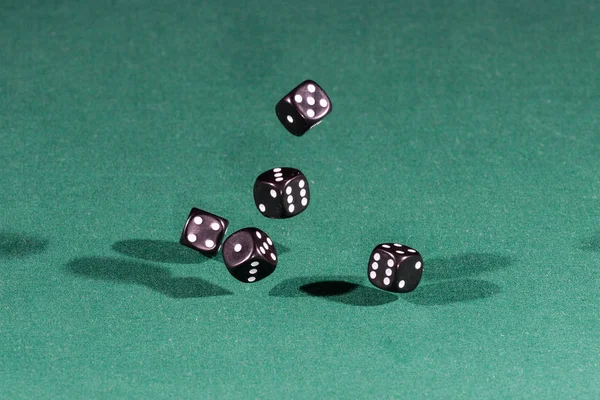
x: 399, y: 252
x: 302, y: 192
x: 304, y: 201
x: 278, y: 179
x: 252, y: 279
x: 388, y: 272
x: 310, y: 100
x: 390, y: 263
x: 374, y: 265
x: 209, y: 243
x: 298, y: 98
x: 291, y: 208
x: 273, y: 193
x: 386, y: 281
x: 323, y: 103
x: 311, y: 88
x: 273, y: 256
x: 401, y: 284
x: 262, y: 250
x: 290, y: 199
x: 192, y: 238
x: 266, y: 246
x: 418, y: 265
x: 385, y: 246
x: 258, y: 235
x: 269, y: 241
x: 310, y: 112
x: 373, y: 274
x: 254, y: 263
x: 215, y: 226
x: 262, y: 207
x: 290, y: 119
x: 376, y: 257
x: 301, y: 184
x: 412, y: 251
x: 253, y: 271
x: 276, y: 169
x: 197, y: 220
x: 278, y: 174
x: 237, y: 247
x: 288, y: 190
x: 397, y: 245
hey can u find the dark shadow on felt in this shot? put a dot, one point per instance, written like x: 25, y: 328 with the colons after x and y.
x: 341, y: 289
x: 592, y: 243
x: 463, y: 265
x: 17, y: 245
x: 139, y: 273
x: 454, y: 291
x: 163, y: 251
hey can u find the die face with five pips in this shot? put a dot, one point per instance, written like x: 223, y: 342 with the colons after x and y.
x: 249, y: 255
x: 204, y: 232
x: 303, y: 108
x: 281, y: 193
x: 395, y: 267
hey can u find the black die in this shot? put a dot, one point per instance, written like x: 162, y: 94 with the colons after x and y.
x: 281, y: 193
x: 303, y: 108
x: 395, y: 268
x: 204, y: 232
x: 249, y: 255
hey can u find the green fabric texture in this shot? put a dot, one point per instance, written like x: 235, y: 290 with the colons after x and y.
x: 469, y: 130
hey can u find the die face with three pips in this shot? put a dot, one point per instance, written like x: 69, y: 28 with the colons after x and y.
x: 303, y: 108
x: 204, y: 232
x: 281, y: 193
x: 395, y: 267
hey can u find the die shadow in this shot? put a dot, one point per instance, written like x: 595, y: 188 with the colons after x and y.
x: 341, y: 289
x: 464, y: 265
x: 162, y: 251
x: 165, y: 251
x: 113, y: 269
x: 18, y: 245
x: 591, y: 244
x: 453, y: 291
x: 455, y: 273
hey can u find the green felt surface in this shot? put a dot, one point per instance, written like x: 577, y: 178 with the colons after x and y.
x: 467, y: 129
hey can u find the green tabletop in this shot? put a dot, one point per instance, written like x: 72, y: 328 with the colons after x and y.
x: 469, y: 130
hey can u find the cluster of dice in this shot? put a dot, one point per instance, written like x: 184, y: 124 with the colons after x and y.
x: 249, y: 254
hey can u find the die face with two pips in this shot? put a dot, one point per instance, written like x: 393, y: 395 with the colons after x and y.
x: 281, y: 193
x: 249, y: 255
x: 303, y: 108
x: 395, y: 267
x: 204, y: 232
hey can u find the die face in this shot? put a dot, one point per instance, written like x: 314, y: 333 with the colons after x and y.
x: 382, y: 269
x: 303, y: 108
x: 204, y: 231
x: 268, y: 199
x: 281, y: 193
x: 311, y: 101
x: 290, y: 118
x: 296, y: 196
x: 395, y: 267
x: 249, y: 255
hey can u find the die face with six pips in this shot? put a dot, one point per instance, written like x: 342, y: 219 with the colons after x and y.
x: 395, y: 267
x: 249, y: 255
x: 204, y: 232
x: 281, y: 193
x: 303, y: 108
